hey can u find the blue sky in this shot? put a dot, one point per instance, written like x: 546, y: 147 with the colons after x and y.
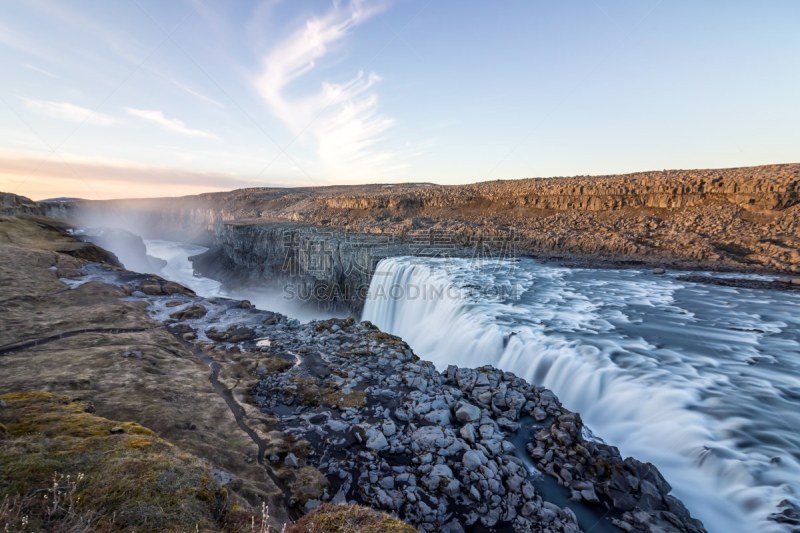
x: 150, y: 98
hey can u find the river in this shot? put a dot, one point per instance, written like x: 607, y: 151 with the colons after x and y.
x: 701, y: 380
x: 179, y: 269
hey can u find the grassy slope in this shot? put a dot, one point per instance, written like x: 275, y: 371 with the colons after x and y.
x: 63, y: 466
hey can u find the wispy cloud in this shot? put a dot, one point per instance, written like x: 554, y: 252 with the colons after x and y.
x: 39, y: 70
x: 342, y: 119
x: 194, y: 93
x: 171, y: 124
x: 67, y: 111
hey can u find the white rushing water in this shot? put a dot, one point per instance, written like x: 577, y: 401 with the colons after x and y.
x: 701, y: 380
x: 179, y: 269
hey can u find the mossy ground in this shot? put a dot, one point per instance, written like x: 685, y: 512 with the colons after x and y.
x: 312, y: 392
x: 330, y: 518
x: 167, y: 389
x: 108, y: 475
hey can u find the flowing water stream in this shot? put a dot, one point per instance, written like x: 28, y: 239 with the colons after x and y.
x: 701, y: 380
x: 179, y: 269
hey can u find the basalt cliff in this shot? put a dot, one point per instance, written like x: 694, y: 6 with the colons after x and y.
x: 741, y: 219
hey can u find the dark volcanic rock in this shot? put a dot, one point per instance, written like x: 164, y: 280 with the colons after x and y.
x: 193, y: 311
x: 232, y: 334
x: 437, y: 449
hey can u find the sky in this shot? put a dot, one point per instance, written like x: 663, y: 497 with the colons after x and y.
x: 145, y: 98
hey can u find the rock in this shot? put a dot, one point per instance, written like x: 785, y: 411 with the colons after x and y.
x: 452, y: 527
x: 539, y: 414
x: 223, y: 477
x: 650, y: 498
x: 191, y: 312
x: 659, y: 271
x: 492, y: 517
x: 376, y: 440
x: 427, y: 437
x: 151, y: 288
x: 507, y: 424
x: 442, y: 470
x: 233, y: 334
x: 388, y: 427
x: 788, y: 514
x: 485, y: 397
x: 170, y: 287
x: 440, y: 417
x: 466, y: 412
x: 116, y: 430
x: 474, y: 493
x: 473, y: 459
x: 468, y: 433
x: 486, y: 431
x: 291, y: 460
x: 589, y: 495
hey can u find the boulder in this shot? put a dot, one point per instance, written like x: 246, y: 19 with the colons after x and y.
x: 473, y: 459
x: 466, y: 412
x: 376, y: 440
x: 191, y: 312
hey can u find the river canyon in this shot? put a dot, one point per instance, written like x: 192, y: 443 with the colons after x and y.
x: 659, y: 307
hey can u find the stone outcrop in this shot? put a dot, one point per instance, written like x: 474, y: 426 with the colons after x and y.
x: 331, y: 267
x: 128, y: 247
x: 12, y: 205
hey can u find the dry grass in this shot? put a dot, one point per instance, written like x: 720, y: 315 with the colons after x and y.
x: 331, y: 518
x: 65, y: 469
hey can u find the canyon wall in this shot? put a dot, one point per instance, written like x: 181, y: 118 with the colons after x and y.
x: 745, y: 219
x: 13, y: 205
x: 330, y: 267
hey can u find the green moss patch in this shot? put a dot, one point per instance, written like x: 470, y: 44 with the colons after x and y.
x: 62, y: 466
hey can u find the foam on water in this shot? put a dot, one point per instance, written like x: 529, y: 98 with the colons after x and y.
x: 701, y: 380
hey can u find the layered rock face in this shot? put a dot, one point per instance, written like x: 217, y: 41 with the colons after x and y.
x: 327, y: 266
x: 12, y: 205
x: 731, y: 219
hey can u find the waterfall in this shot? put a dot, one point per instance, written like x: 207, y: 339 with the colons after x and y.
x: 647, y: 374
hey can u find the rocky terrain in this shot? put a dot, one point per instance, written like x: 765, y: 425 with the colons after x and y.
x: 291, y: 414
x: 741, y: 219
